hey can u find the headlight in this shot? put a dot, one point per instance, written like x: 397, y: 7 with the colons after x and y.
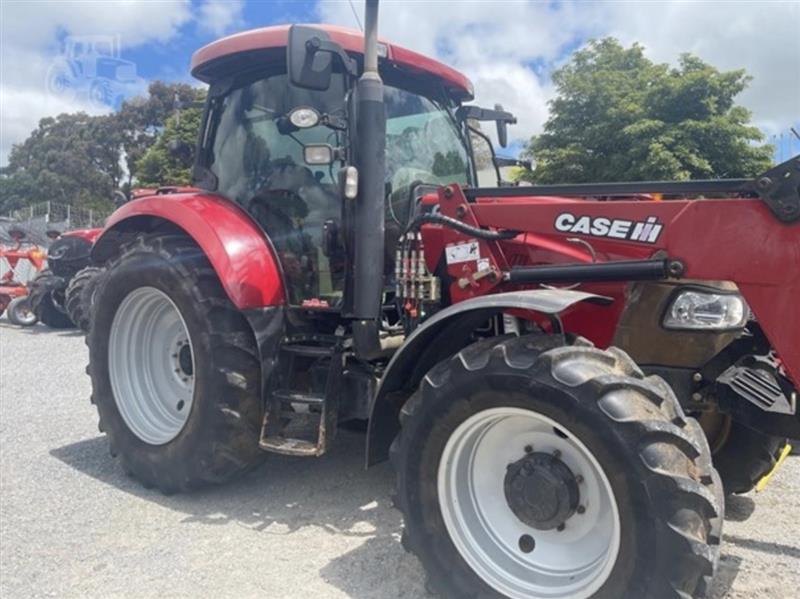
x: 706, y: 311
x: 304, y: 117
x: 317, y: 154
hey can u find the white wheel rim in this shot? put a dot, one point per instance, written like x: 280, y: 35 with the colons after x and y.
x: 574, y: 562
x: 151, y: 365
x: 25, y: 315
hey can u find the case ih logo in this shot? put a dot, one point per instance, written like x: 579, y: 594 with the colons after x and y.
x: 646, y: 231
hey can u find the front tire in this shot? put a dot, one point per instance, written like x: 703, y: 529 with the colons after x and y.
x: 174, y: 368
x: 79, y: 296
x: 630, y: 506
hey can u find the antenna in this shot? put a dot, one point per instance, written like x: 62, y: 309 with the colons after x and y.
x: 355, y: 14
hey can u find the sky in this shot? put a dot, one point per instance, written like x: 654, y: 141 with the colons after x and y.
x: 508, y: 49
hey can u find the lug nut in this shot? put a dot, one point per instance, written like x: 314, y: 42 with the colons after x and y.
x: 526, y: 543
x: 529, y: 449
x: 581, y: 509
x: 557, y: 454
x: 579, y: 479
x: 561, y: 527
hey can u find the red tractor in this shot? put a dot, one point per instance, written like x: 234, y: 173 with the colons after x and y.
x: 14, y: 300
x: 338, y: 263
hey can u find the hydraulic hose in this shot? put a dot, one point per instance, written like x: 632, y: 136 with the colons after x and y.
x: 453, y: 223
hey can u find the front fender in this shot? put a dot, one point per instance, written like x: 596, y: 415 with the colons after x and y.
x: 444, y: 334
x: 239, y: 251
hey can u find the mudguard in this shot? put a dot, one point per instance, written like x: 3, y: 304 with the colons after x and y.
x: 441, y: 336
x: 236, y: 246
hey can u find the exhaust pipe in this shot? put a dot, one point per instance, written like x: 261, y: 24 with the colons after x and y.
x: 368, y: 281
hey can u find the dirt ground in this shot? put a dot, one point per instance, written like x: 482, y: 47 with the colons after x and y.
x: 73, y: 525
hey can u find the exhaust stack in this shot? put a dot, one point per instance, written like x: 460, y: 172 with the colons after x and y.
x: 368, y: 263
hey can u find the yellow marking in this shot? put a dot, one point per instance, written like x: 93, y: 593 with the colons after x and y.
x: 763, y: 482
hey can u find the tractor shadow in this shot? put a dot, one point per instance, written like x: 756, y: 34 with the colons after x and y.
x: 334, y: 493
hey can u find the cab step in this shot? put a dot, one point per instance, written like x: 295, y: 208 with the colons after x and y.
x: 288, y: 408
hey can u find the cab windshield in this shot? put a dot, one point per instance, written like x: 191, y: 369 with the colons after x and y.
x: 256, y: 157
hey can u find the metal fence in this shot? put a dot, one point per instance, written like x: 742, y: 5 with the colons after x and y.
x: 36, y: 221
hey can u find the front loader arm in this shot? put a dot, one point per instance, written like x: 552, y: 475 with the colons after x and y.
x: 736, y: 239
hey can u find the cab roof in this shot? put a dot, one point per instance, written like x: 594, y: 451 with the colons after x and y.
x: 351, y: 40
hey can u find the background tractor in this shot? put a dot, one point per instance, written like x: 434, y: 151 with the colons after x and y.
x: 337, y: 262
x: 67, y: 256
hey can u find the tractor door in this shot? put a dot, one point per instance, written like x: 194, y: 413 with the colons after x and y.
x: 256, y: 156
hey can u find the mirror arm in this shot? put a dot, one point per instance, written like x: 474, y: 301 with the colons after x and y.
x: 315, y: 45
x: 484, y: 114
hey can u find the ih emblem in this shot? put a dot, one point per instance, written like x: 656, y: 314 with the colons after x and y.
x: 646, y: 231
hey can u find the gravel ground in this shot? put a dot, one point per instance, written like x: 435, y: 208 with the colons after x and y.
x: 73, y: 525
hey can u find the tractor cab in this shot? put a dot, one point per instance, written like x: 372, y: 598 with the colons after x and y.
x: 287, y: 150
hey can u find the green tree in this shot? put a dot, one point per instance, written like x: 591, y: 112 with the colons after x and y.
x: 72, y: 158
x: 618, y: 116
x: 160, y: 166
x: 80, y: 160
x: 142, y: 119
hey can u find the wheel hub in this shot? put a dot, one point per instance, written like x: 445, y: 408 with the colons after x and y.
x: 541, y: 490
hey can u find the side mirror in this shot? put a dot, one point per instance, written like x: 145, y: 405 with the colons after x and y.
x: 307, y: 66
x: 502, y: 128
x: 309, y: 58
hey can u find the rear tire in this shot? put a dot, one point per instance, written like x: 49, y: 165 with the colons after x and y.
x: 658, y: 468
x: 80, y: 293
x: 219, y: 434
x: 20, y: 313
x: 46, y: 293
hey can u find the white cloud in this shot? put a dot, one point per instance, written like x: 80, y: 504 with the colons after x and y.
x: 492, y: 43
x: 220, y: 16
x: 496, y: 43
x: 30, y: 34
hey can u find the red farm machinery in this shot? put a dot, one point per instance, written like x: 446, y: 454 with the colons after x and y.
x: 553, y: 371
x: 14, y: 298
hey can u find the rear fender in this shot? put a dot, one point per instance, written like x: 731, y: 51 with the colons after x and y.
x: 239, y: 251
x: 441, y: 336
